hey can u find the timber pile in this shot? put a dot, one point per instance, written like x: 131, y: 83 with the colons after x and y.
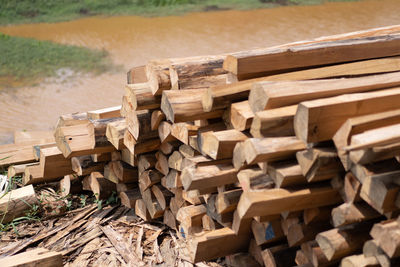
x: 280, y: 156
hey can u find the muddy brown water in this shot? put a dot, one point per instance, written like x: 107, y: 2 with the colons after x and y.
x: 133, y: 40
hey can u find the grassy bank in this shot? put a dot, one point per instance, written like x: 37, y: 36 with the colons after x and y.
x: 27, y: 60
x: 28, y: 11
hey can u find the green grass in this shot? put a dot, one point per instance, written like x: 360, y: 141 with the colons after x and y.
x: 28, y: 11
x: 30, y: 60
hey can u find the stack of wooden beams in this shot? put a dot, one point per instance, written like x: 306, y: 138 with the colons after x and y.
x: 280, y: 156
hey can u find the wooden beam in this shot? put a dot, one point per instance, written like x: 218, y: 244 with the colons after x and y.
x: 267, y: 95
x: 141, y: 96
x: 104, y: 113
x: 318, y: 120
x: 208, y: 176
x: 220, y: 145
x: 254, y: 63
x: 274, y: 122
x: 182, y: 106
x: 16, y: 202
x: 271, y: 149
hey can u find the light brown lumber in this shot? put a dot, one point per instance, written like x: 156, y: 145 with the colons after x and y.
x: 338, y: 243
x: 141, y: 210
x: 269, y: 95
x: 35, y: 257
x: 32, y: 174
x: 33, y: 137
x: 387, y: 236
x: 239, y: 157
x: 128, y: 157
x: 359, y: 261
x: 279, y: 256
x: 256, y: 62
x: 224, y: 242
x: 14, y: 170
x: 318, y: 164
x: 274, y: 122
x: 182, y: 106
x: 129, y: 197
x: 227, y: 201
x: 208, y: 223
x: 220, y: 145
x: 105, y: 113
x: 37, y: 148
x: 141, y: 97
x: 136, y: 75
x: 156, y: 117
x: 241, y: 116
x: 145, y: 162
x: 271, y: 149
x: 154, y: 208
x: 208, y: 176
x: 352, y: 188
x: 301, y: 258
x: 197, y: 72
x: 371, y: 248
x: 158, y: 76
x: 162, y: 164
x: 182, y: 131
x: 70, y: 184
x: 84, y: 139
x: 139, y: 125
x: 349, y: 213
x: 175, y: 161
x: 318, y: 120
x: 168, y: 147
x: 16, y: 202
x: 53, y: 165
x: 149, y: 178
x: 190, y: 218
x: 375, y: 154
x: 380, y: 191
x: 115, y: 133
x: 169, y: 220
x: 218, y: 97
x: 72, y: 119
x: 373, y: 138
x: 121, y: 172
x: 15, y: 154
x: 162, y: 195
x: 164, y: 132
x: 274, y: 201
x: 267, y: 232
x: 254, y: 179
x: 173, y: 179
x: 315, y: 255
x: 201, y: 82
x: 361, y: 172
x: 84, y: 165
x: 126, y: 106
x: 358, y: 125
x: 286, y: 173
x: 101, y: 187
x: 187, y: 151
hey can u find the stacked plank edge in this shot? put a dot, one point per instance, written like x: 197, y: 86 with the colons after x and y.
x: 280, y: 156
